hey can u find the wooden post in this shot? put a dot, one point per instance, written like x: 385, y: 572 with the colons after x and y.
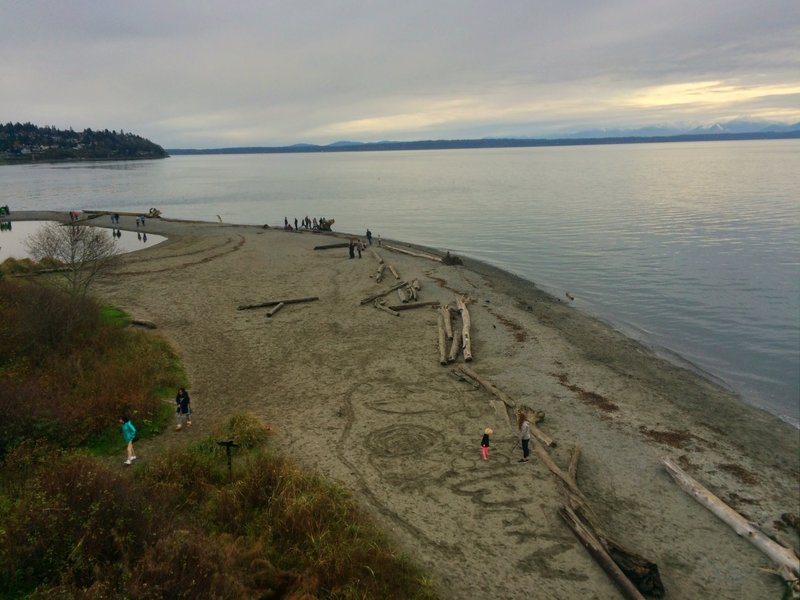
x: 780, y: 555
x: 465, y: 322
x: 276, y: 309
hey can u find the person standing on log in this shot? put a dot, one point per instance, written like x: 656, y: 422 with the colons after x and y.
x: 524, y: 435
x: 183, y: 409
x: 485, y: 443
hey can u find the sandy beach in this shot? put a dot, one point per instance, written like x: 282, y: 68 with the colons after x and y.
x: 359, y: 396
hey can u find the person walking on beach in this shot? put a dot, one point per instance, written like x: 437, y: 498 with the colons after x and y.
x: 128, y: 434
x: 183, y: 409
x: 485, y: 443
x: 524, y: 435
x: 352, y: 249
x: 369, y: 237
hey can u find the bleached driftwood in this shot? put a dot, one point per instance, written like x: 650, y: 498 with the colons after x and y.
x: 402, y: 293
x: 415, y: 305
x: 507, y: 400
x: 369, y: 299
x: 385, y: 308
x: 448, y: 325
x: 466, y: 340
x: 394, y: 272
x: 276, y: 309
x: 377, y: 256
x: 785, y: 558
x: 442, y: 349
x: 379, y: 274
x: 143, y: 323
x: 632, y: 573
x: 598, y: 552
x: 455, y: 346
x: 410, y: 253
x: 274, y: 302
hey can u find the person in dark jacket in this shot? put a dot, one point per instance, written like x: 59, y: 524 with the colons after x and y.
x: 485, y: 443
x: 183, y: 409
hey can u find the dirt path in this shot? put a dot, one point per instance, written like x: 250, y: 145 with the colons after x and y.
x: 359, y: 396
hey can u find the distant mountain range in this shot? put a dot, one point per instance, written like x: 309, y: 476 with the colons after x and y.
x: 732, y: 130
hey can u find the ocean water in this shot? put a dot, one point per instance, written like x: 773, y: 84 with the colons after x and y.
x: 691, y: 248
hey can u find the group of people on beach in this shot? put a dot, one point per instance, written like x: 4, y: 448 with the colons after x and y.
x: 524, y: 435
x: 306, y: 223
x: 183, y: 416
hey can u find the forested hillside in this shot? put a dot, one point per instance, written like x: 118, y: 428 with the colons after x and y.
x: 25, y: 142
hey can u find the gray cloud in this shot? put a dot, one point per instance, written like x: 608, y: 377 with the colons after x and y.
x: 212, y: 73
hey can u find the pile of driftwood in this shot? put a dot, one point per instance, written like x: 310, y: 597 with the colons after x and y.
x: 276, y: 304
x: 633, y: 574
x: 460, y: 338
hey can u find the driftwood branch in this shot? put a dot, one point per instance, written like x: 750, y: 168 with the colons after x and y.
x: 276, y: 309
x: 411, y: 305
x: 466, y: 340
x: 379, y: 274
x: 410, y: 253
x: 394, y: 272
x: 780, y: 555
x: 448, y: 325
x: 385, y: 308
x: 455, y: 347
x: 274, y: 302
x: 377, y: 256
x: 383, y: 293
x: 442, y: 348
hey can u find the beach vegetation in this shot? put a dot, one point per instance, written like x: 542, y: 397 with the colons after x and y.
x: 188, y: 526
x: 191, y: 521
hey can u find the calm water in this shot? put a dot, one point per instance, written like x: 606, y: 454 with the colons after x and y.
x: 692, y: 248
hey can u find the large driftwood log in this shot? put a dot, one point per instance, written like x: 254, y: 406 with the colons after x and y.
x: 466, y: 340
x: 415, y: 305
x: 410, y: 253
x: 369, y: 299
x: 274, y: 302
x: 276, y: 308
x: 595, y: 548
x: 640, y: 572
x: 377, y: 256
x: 455, y: 347
x: 448, y: 325
x: 402, y: 293
x: 143, y: 323
x: 780, y: 555
x: 489, y: 387
x: 385, y: 308
x: 379, y: 274
x: 442, y: 349
x: 394, y: 272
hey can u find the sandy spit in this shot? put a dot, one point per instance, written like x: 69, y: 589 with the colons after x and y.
x: 358, y: 395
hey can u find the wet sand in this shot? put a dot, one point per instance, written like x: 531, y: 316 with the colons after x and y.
x: 359, y: 396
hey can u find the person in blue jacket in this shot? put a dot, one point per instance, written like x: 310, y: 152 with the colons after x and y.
x: 128, y: 433
x: 183, y: 409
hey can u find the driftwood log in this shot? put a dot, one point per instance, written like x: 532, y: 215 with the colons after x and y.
x: 411, y: 305
x: 394, y: 272
x: 377, y: 256
x: 641, y: 574
x: 784, y: 558
x: 442, y: 342
x: 369, y: 299
x: 379, y: 274
x: 143, y: 323
x: 466, y: 340
x: 410, y: 253
x: 274, y: 302
x: 448, y: 325
x: 276, y: 308
x: 455, y: 347
x: 402, y: 293
x: 385, y: 308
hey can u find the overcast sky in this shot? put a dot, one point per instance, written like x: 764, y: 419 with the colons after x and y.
x: 214, y: 73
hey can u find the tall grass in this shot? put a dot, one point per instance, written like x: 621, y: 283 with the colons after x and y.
x: 185, y: 528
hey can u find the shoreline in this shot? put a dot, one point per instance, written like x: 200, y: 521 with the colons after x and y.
x: 358, y: 396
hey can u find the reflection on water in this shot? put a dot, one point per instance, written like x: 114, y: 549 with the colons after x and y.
x: 13, y: 236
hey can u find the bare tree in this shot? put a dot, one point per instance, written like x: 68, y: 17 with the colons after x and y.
x: 84, y: 251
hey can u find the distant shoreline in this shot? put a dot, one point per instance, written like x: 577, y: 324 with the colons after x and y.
x: 486, y: 143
